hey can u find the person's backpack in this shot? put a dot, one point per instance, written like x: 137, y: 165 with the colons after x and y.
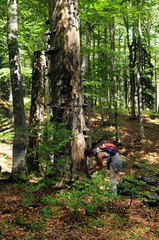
x: 109, y: 147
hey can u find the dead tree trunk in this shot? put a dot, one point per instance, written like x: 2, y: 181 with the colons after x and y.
x: 36, y: 110
x: 65, y: 77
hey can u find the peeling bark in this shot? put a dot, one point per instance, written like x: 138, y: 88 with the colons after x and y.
x: 65, y: 77
x: 36, y: 110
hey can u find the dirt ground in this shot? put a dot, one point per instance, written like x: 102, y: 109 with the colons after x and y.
x: 118, y: 222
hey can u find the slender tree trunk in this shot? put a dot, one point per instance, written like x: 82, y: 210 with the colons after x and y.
x: 125, y: 88
x: 142, y: 136
x: 156, y: 102
x: 19, y: 143
x: 66, y: 82
x: 156, y: 87
x: 36, y: 110
x: 125, y: 76
x: 107, y: 78
x: 99, y: 79
x: 110, y: 79
x: 116, y: 93
x: 115, y: 84
x: 132, y: 81
x: 157, y: 97
x: 88, y: 67
x: 132, y: 61
x: 93, y: 66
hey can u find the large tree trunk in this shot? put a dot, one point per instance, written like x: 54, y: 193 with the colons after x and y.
x: 36, y: 110
x: 19, y: 143
x: 66, y: 83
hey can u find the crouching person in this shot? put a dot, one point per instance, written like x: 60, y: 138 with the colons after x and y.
x: 114, y: 163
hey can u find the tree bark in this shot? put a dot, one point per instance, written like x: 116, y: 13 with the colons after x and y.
x: 156, y: 83
x: 99, y: 78
x: 66, y: 82
x: 132, y: 61
x: 36, y: 110
x: 141, y: 127
x: 88, y: 67
x: 19, y: 143
x: 157, y: 97
x: 86, y: 70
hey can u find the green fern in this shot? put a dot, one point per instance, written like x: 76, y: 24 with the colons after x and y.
x: 6, y: 130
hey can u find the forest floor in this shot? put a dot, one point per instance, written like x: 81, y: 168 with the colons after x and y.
x: 24, y: 216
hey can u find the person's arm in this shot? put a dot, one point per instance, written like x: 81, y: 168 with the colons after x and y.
x: 93, y: 167
x: 94, y: 170
x: 99, y: 163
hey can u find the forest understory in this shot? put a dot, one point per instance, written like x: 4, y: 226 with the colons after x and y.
x: 23, y: 214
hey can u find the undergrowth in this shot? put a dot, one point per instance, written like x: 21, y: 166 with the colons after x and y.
x: 87, y: 197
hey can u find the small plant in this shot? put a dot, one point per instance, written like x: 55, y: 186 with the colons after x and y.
x: 3, y: 158
x: 46, y: 212
x: 156, y: 171
x: 6, y: 224
x: 51, y: 141
x: 37, y: 225
x: 85, y: 197
x: 149, y: 157
x: 131, y: 187
x: 20, y: 221
x: 28, y: 198
x: 6, y: 131
x: 30, y: 224
x: 100, y: 222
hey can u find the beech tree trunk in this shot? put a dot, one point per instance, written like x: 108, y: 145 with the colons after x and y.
x: 66, y: 82
x: 157, y: 98
x: 19, y: 143
x: 141, y: 126
x: 88, y: 70
x: 132, y: 61
x: 99, y: 78
x: 88, y: 67
x: 36, y: 110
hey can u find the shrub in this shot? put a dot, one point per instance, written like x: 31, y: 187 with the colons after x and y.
x: 87, y: 196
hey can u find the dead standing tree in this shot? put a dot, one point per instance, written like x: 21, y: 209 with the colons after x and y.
x: 65, y: 78
x: 36, y: 110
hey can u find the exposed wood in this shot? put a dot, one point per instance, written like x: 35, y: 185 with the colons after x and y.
x: 66, y: 82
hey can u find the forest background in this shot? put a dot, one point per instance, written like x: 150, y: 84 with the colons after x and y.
x: 119, y: 52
